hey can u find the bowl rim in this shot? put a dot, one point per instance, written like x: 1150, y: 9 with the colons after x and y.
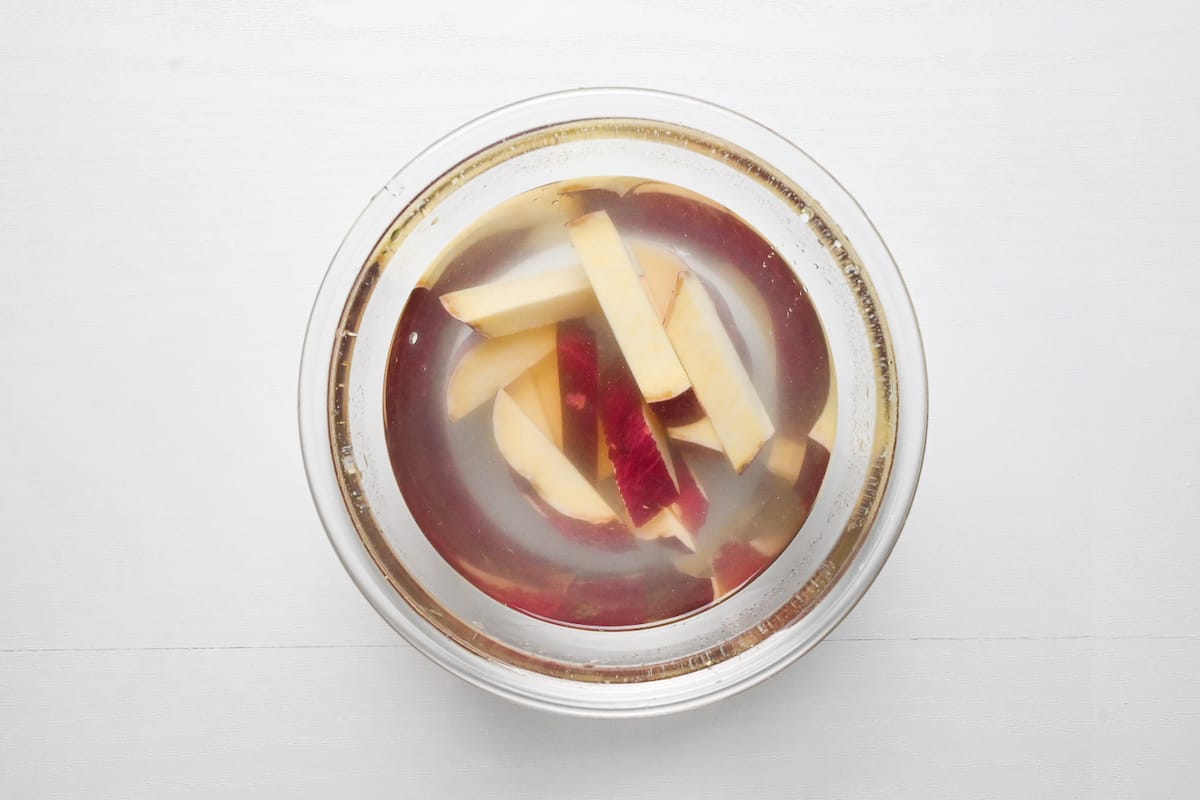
x: 911, y: 380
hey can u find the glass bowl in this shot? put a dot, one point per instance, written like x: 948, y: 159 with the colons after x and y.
x: 874, y: 343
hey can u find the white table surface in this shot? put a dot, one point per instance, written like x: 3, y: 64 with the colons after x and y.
x: 174, y: 178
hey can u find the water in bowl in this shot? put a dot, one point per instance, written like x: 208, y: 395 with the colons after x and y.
x: 609, y: 403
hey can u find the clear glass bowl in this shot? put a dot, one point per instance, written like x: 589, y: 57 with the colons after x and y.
x: 874, y: 342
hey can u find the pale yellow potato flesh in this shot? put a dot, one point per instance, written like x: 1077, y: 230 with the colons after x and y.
x: 525, y: 393
x: 786, y: 457
x: 517, y: 304
x: 534, y: 457
x: 635, y: 324
x: 716, y: 373
x: 545, y: 378
x: 665, y: 524
x: 701, y: 433
x: 492, y: 364
x: 660, y: 271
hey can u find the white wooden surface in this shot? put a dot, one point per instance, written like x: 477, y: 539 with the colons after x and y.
x: 174, y: 178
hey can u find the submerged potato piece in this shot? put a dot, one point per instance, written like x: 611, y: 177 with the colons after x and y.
x: 579, y: 378
x: 630, y: 314
x: 666, y: 525
x: 518, y: 304
x: 545, y: 379
x: 490, y: 365
x: 700, y: 433
x: 735, y: 565
x: 716, y: 373
x: 638, y: 449
x: 660, y: 273
x: 534, y: 457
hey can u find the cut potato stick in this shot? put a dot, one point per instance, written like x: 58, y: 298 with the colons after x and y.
x: 524, y: 393
x: 700, y: 433
x: 660, y: 272
x: 638, y: 448
x: 532, y: 455
x: 516, y: 304
x: 490, y: 365
x: 667, y: 525
x: 788, y: 454
x: 630, y: 314
x: 786, y: 457
x: 716, y: 373
x: 545, y: 378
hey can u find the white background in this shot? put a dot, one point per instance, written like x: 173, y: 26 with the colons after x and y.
x: 174, y: 178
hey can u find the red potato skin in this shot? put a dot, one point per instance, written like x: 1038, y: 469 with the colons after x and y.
x: 679, y: 410
x: 643, y: 477
x: 737, y: 563
x: 579, y: 380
